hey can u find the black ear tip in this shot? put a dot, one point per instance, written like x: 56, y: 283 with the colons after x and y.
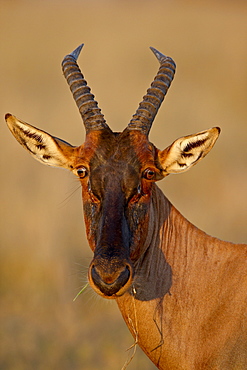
x: 7, y: 115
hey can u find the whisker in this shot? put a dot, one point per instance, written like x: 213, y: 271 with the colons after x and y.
x: 71, y: 194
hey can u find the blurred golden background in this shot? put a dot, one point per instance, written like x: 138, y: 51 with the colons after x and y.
x: 44, y: 254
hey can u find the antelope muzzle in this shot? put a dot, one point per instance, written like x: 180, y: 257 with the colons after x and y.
x: 111, y: 271
x: 110, y: 278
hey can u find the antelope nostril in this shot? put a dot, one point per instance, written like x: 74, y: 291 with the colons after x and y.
x: 125, y: 275
x: 110, y: 283
x: 95, y: 276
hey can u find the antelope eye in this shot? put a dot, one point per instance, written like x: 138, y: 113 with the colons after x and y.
x: 149, y: 174
x: 82, y: 172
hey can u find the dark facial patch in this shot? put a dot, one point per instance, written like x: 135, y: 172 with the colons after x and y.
x: 116, y: 199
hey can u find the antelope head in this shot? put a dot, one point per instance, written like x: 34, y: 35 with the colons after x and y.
x: 117, y: 172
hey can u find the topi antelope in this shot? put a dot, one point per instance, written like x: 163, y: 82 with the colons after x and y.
x: 182, y: 293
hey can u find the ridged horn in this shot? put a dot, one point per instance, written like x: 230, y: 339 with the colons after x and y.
x: 143, y: 118
x: 91, y: 115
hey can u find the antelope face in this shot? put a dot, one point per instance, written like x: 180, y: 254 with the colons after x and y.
x: 116, y: 189
x: 117, y: 172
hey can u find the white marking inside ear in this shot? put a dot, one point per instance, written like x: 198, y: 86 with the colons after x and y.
x: 187, y: 151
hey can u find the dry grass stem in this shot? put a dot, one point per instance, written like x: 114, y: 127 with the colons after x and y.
x: 135, y: 330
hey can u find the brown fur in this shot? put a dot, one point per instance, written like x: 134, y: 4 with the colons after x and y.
x: 190, y: 312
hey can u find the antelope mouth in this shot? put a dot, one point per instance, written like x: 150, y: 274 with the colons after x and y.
x: 110, y: 283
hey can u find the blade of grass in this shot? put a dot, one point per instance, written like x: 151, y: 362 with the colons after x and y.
x: 81, y: 291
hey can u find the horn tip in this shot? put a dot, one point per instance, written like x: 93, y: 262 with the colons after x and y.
x: 75, y: 54
x: 158, y: 54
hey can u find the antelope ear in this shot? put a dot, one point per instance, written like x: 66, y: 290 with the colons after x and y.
x: 187, y: 151
x: 45, y: 148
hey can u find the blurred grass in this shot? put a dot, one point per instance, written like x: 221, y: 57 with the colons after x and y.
x: 44, y: 254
